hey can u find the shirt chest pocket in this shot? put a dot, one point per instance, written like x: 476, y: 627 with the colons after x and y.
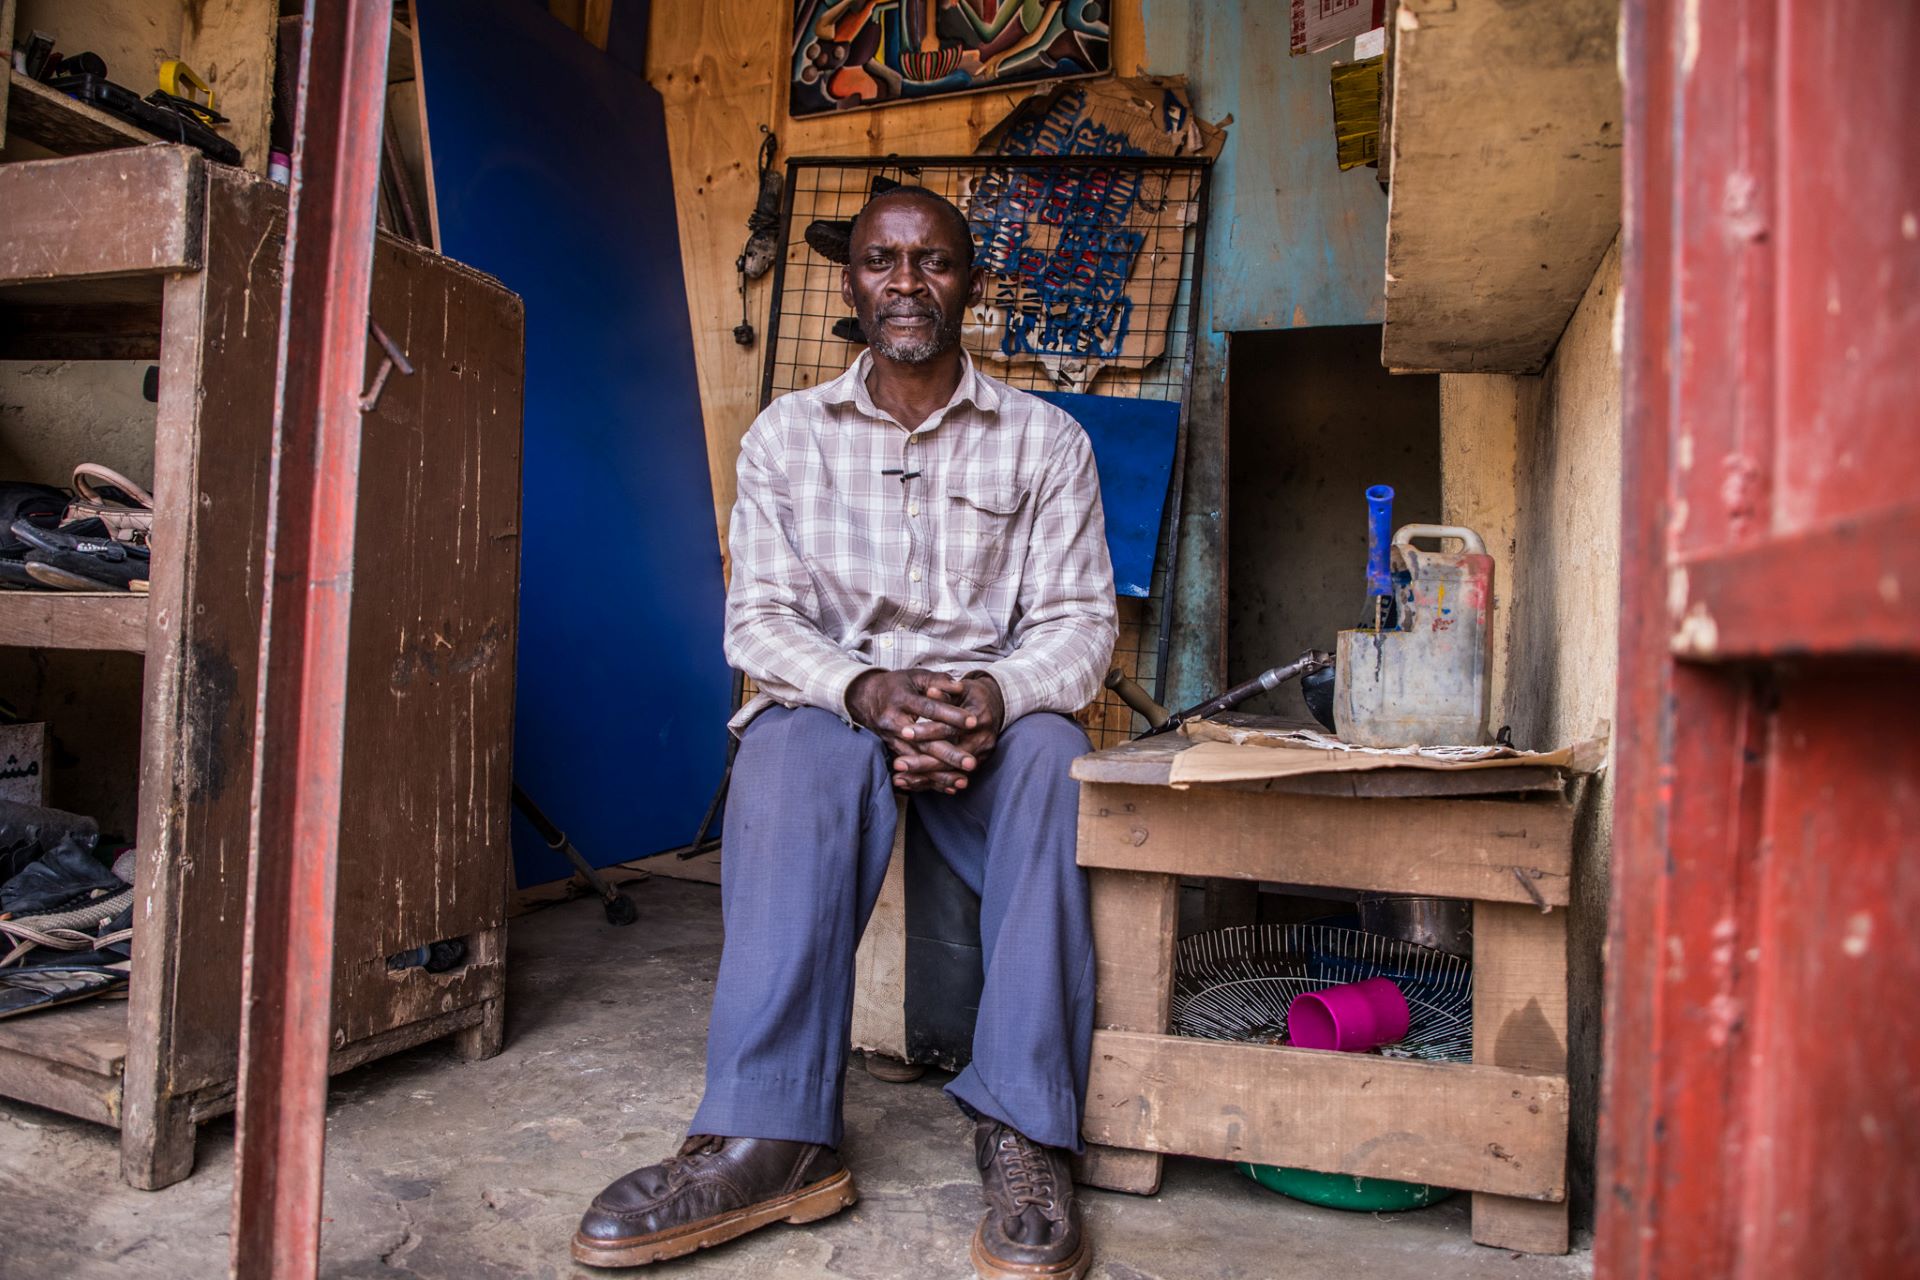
x: 983, y: 532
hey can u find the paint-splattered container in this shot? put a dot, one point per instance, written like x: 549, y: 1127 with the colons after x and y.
x: 1427, y: 681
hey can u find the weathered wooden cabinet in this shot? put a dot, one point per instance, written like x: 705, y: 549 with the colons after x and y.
x: 152, y: 253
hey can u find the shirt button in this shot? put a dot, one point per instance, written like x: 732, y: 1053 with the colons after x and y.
x: 913, y: 508
x: 913, y: 439
x: 915, y: 575
x: 886, y: 642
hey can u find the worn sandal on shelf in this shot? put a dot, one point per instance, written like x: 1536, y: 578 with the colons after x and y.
x: 25, y: 990
x: 82, y: 555
x: 40, y: 505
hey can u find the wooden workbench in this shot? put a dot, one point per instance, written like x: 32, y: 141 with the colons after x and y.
x: 1499, y: 837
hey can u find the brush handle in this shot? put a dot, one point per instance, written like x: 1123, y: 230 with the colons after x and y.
x: 1379, y: 540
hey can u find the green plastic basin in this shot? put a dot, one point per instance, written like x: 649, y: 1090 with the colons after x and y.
x: 1344, y: 1190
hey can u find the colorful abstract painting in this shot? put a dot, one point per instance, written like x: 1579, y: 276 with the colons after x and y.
x: 849, y: 54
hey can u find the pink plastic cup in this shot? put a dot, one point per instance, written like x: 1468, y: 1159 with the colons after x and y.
x: 1352, y: 1018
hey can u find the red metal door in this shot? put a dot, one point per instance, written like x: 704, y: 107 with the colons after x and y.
x: 1761, y: 1109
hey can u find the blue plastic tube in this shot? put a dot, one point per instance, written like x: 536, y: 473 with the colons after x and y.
x: 1379, y: 540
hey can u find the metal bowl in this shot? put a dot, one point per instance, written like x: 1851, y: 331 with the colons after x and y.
x: 1445, y: 924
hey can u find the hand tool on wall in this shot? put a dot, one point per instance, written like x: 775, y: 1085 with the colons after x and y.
x: 619, y: 907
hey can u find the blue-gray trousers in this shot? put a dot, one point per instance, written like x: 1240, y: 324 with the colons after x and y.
x: 810, y: 819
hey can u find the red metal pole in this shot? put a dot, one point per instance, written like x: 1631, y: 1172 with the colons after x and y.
x: 288, y: 982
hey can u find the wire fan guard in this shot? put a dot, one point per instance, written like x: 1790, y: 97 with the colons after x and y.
x: 1236, y: 984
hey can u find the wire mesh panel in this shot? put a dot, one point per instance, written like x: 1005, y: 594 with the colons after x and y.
x: 1091, y: 264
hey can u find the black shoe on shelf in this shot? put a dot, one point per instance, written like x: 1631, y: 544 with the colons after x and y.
x: 41, y: 506
x: 81, y: 556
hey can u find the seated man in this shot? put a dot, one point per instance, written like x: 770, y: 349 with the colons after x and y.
x: 921, y: 590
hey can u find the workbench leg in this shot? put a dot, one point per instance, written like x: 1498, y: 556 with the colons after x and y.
x: 880, y: 961
x: 1520, y: 1021
x: 1136, y: 921
x: 156, y: 1144
x: 488, y: 1036
x: 485, y: 1038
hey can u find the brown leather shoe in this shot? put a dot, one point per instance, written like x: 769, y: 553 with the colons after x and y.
x: 713, y: 1190
x: 1031, y: 1230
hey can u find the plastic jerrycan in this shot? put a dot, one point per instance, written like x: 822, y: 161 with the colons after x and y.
x: 1427, y: 681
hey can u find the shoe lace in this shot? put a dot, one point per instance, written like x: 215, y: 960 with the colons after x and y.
x: 1029, y: 1172
x: 695, y: 1149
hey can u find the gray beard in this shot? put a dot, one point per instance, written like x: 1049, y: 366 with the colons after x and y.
x: 944, y: 337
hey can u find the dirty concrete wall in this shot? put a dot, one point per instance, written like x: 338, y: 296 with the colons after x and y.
x: 55, y: 413
x: 1315, y: 420
x: 1534, y: 463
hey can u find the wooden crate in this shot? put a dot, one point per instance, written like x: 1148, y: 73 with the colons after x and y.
x: 152, y: 253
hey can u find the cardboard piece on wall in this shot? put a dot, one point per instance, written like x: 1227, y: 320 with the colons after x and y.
x: 1084, y: 265
x: 23, y: 763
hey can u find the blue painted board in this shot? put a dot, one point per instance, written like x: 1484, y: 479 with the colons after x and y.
x: 1133, y: 445
x: 557, y: 182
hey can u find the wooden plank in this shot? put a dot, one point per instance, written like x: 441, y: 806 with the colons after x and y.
x: 1136, y: 919
x: 595, y: 21
x: 211, y: 439
x: 429, y: 722
x: 1449, y: 848
x: 122, y: 213
x: 1727, y: 604
x: 90, y: 1037
x: 423, y: 162
x: 1482, y: 1128
x: 880, y: 962
x: 113, y: 620
x: 1520, y: 1023
x: 702, y: 868
x: 59, y: 1087
x: 68, y: 1060
x: 6, y: 43
x: 79, y: 332
x: 64, y: 125
x: 1505, y: 153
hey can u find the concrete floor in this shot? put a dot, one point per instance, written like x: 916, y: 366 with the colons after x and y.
x: 438, y: 1168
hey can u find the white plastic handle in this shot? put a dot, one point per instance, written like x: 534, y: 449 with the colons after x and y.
x: 1403, y: 536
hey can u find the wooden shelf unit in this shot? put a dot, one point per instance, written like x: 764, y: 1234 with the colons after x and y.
x: 74, y: 620
x: 1504, y: 150
x: 150, y: 251
x: 62, y: 124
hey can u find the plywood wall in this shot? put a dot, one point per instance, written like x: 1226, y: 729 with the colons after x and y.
x: 721, y: 65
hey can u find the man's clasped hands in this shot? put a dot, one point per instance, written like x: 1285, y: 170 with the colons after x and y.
x: 938, y: 728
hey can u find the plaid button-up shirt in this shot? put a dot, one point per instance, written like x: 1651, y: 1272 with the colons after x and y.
x: 984, y: 550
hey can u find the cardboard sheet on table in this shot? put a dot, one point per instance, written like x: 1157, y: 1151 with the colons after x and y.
x: 1230, y: 753
x: 1133, y: 444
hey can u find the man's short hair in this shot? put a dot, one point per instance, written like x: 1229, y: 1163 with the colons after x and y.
x: 946, y: 208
